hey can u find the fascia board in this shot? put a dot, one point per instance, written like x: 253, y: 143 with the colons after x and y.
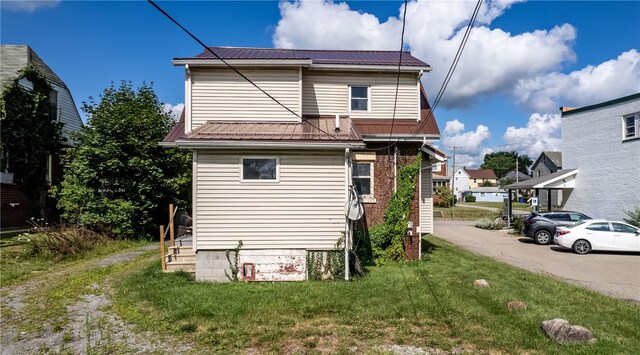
x: 558, y: 181
x: 242, y: 62
x: 283, y: 145
x: 355, y: 67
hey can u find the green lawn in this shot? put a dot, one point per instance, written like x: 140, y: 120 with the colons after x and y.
x: 428, y: 303
x: 515, y: 205
x: 465, y: 213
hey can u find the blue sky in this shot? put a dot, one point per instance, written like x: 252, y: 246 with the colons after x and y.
x: 523, y: 59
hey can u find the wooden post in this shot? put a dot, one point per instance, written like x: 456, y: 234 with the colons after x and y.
x: 172, y: 241
x: 162, y: 254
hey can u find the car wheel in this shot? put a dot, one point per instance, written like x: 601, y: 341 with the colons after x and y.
x: 581, y: 246
x: 543, y: 237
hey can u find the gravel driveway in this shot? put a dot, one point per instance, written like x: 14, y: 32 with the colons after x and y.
x: 610, y: 273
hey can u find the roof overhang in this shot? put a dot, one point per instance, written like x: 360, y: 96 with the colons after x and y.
x: 352, y: 67
x: 242, y: 62
x: 562, y: 179
x: 434, y: 156
x: 191, y: 144
x: 430, y: 138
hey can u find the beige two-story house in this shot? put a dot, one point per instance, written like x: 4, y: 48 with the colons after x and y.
x: 279, y: 137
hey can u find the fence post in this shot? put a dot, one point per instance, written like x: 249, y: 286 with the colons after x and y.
x: 172, y: 241
x: 162, y: 254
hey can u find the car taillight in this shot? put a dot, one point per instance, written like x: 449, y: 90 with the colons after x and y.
x: 529, y: 221
x: 563, y: 232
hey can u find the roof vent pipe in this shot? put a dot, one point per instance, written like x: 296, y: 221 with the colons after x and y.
x: 337, y: 122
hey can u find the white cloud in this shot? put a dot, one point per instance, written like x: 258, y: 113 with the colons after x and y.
x: 175, y: 110
x: 28, y: 6
x: 493, y: 60
x: 465, y: 142
x: 592, y: 84
x: 542, y: 133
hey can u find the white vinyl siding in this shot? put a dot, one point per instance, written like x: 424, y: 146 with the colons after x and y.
x: 304, y: 210
x: 327, y: 93
x: 426, y: 200
x: 221, y: 94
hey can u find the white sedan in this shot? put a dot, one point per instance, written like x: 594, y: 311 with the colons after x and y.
x: 598, y: 234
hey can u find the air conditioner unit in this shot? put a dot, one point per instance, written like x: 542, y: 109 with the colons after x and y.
x: 6, y: 178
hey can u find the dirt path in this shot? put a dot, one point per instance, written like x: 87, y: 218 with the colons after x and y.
x: 88, y: 325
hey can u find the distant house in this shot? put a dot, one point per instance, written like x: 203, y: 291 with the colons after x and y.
x: 601, y: 160
x: 441, y: 174
x: 278, y: 178
x: 515, y: 176
x: 548, y: 163
x: 15, y: 206
x: 486, y: 194
x: 465, y: 179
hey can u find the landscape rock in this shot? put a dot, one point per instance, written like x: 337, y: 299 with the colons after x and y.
x: 516, y: 306
x: 480, y: 283
x: 560, y: 331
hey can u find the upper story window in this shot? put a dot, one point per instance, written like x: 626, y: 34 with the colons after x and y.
x: 53, y: 100
x: 359, y: 98
x: 259, y: 169
x: 631, y: 126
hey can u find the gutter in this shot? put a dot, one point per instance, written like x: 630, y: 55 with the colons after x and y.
x: 401, y: 138
x: 233, y: 145
x: 242, y: 62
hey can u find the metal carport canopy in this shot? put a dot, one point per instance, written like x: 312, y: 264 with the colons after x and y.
x: 561, y: 179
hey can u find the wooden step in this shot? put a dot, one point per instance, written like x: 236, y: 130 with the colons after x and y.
x: 186, y: 250
x: 191, y: 258
x: 174, y: 266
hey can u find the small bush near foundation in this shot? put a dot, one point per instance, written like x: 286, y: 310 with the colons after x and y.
x: 487, y: 223
x: 517, y: 223
x: 61, y: 241
x: 469, y: 199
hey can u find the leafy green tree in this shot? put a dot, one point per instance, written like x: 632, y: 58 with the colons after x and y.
x: 634, y: 217
x: 118, y: 179
x: 503, y: 162
x: 445, y: 194
x: 30, y: 133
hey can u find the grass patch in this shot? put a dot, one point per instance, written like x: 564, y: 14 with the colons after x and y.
x: 465, y: 213
x: 515, y: 205
x: 17, y: 267
x: 430, y: 303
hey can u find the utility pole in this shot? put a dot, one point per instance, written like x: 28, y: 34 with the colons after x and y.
x: 453, y: 183
x: 517, y: 177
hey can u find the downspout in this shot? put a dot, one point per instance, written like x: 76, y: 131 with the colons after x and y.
x: 347, y: 228
x: 395, y: 168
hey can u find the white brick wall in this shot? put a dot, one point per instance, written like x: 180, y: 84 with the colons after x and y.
x: 608, y: 179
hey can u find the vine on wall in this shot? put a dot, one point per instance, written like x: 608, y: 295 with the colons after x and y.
x: 387, y: 239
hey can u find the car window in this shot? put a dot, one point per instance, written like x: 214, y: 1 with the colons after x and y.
x: 623, y: 228
x: 577, y: 217
x: 602, y: 227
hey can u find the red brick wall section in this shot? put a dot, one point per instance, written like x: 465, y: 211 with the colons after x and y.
x: 11, y: 217
x: 383, y: 190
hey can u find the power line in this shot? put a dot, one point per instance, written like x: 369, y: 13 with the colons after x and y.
x: 395, y: 100
x: 454, y: 65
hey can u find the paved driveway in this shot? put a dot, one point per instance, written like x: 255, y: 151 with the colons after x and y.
x: 613, y: 274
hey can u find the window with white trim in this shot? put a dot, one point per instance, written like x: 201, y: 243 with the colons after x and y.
x: 259, y: 169
x: 362, y: 177
x: 631, y: 126
x: 359, y: 98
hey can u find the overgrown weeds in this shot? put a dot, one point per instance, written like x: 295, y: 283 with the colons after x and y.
x: 488, y: 223
x: 61, y: 241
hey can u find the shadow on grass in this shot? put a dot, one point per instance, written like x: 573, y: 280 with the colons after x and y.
x: 427, y: 247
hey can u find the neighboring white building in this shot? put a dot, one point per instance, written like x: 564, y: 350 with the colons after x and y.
x: 602, y: 142
x: 487, y: 194
x: 600, y: 158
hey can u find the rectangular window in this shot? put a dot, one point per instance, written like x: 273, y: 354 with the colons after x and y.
x: 631, y: 126
x: 259, y: 169
x: 359, y: 97
x: 53, y: 100
x: 362, y: 174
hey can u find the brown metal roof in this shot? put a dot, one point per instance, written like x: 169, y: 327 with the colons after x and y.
x: 485, y: 174
x: 348, y: 57
x: 177, y: 132
x: 311, y: 129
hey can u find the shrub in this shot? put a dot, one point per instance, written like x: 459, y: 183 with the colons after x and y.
x: 469, y: 199
x: 634, y: 217
x: 488, y: 223
x: 61, y: 241
x: 517, y: 223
